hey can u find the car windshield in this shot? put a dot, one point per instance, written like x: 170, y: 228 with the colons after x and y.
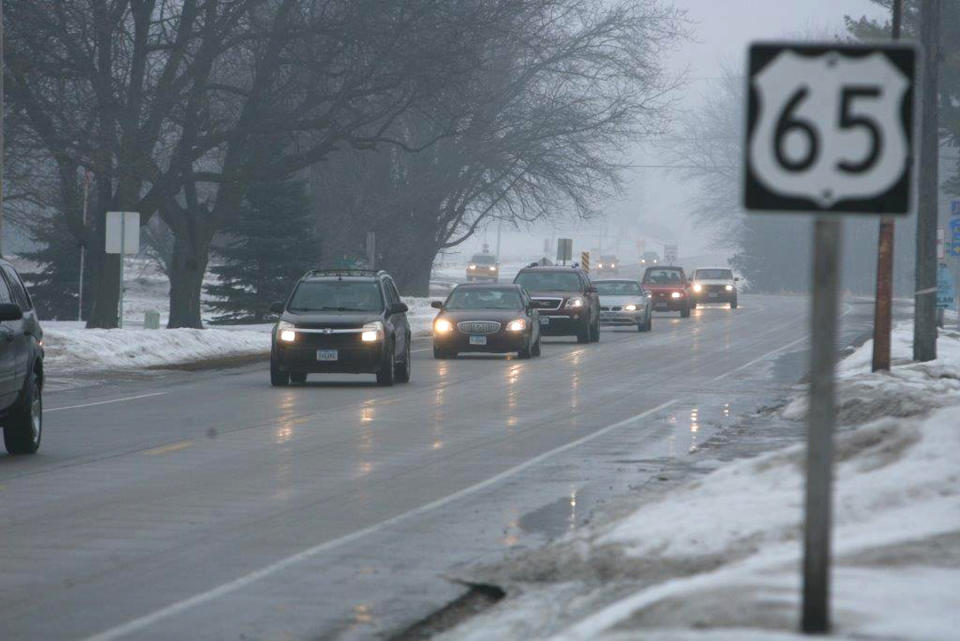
x: 549, y: 281
x: 714, y: 274
x: 484, y: 259
x: 617, y: 287
x: 663, y: 276
x: 336, y: 295
x: 484, y: 298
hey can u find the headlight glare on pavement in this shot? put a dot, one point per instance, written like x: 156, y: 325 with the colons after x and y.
x: 517, y: 325
x: 372, y: 332
x: 442, y: 326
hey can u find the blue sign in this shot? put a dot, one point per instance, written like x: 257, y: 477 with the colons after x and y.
x: 955, y: 208
x: 946, y: 293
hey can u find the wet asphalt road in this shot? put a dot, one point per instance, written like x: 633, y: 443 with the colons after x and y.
x: 212, y: 506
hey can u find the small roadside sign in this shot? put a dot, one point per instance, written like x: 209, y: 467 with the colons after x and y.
x: 123, y: 232
x: 585, y: 261
x: 564, y: 250
x: 946, y: 292
x: 830, y: 127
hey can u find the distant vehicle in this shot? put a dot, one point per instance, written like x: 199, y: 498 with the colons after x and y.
x: 483, y: 267
x: 486, y: 318
x: 566, y: 300
x: 21, y: 366
x: 625, y: 302
x: 349, y: 321
x: 609, y: 263
x: 715, y: 285
x: 650, y: 258
x: 670, y: 289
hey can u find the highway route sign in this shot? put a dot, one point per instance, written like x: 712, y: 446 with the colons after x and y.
x: 830, y: 128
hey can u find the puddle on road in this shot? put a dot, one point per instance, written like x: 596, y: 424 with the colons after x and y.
x: 563, y: 515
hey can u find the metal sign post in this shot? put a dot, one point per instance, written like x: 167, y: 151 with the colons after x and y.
x: 122, y: 237
x: 829, y: 131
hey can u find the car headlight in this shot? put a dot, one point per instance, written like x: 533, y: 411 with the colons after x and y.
x: 372, y: 332
x: 599, y: 265
x: 575, y: 302
x: 442, y: 326
x: 613, y: 265
x: 676, y: 295
x: 517, y: 325
x: 630, y: 308
x: 471, y: 266
x: 729, y: 288
x: 493, y: 269
x: 697, y: 287
x: 285, y: 332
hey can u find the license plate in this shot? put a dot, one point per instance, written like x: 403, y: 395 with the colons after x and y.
x: 478, y: 340
x: 544, y: 320
x: 712, y: 295
x: 327, y: 355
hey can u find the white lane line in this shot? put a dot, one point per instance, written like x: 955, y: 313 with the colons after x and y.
x: 109, y: 402
x: 226, y: 588
x: 757, y: 360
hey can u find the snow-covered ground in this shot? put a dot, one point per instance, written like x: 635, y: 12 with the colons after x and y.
x: 72, y: 349
x: 718, y: 559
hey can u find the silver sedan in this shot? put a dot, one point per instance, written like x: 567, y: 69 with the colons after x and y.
x: 625, y: 302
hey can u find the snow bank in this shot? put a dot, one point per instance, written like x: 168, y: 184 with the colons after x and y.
x: 70, y: 347
x: 719, y: 558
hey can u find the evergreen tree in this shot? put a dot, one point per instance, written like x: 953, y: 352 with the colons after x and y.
x: 270, y: 245
x: 55, y: 285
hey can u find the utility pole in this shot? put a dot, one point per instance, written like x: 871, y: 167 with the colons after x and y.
x: 499, y: 231
x: 883, y: 301
x: 925, y: 296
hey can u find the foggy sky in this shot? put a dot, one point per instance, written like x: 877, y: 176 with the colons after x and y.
x: 654, y: 203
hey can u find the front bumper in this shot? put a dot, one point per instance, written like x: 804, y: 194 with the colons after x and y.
x: 480, y: 275
x: 353, y: 355
x: 499, y: 343
x: 670, y: 304
x: 621, y: 317
x: 562, y: 322
x: 715, y: 296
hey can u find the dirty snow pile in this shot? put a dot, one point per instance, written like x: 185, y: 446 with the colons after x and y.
x: 718, y: 559
x: 71, y: 348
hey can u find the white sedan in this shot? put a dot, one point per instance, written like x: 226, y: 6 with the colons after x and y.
x: 625, y: 302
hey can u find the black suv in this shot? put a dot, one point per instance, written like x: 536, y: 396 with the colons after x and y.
x: 21, y: 365
x: 566, y: 300
x: 341, y: 321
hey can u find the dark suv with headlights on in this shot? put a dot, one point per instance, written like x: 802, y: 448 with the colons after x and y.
x: 566, y: 301
x: 21, y: 366
x: 486, y: 318
x: 350, y: 321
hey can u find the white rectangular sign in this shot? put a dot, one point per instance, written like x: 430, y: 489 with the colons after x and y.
x: 123, y: 232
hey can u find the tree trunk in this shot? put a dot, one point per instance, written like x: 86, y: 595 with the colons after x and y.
x: 106, y: 289
x: 187, y: 269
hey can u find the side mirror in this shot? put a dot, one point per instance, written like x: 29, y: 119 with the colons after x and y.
x: 276, y: 308
x: 436, y: 304
x: 399, y: 308
x: 10, y: 312
x: 737, y: 279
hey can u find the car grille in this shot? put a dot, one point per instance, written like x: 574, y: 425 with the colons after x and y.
x: 615, y: 308
x: 714, y: 288
x: 479, y: 327
x: 546, y: 303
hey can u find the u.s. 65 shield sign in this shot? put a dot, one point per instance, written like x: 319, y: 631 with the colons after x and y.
x: 830, y: 128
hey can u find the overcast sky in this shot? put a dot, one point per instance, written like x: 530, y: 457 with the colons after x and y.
x: 654, y: 205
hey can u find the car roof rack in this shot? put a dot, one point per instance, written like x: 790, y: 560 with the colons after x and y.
x: 340, y: 273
